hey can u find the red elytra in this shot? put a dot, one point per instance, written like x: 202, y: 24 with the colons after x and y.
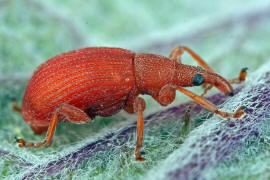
x: 80, y: 84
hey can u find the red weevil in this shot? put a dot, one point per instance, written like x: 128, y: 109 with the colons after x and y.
x: 78, y: 85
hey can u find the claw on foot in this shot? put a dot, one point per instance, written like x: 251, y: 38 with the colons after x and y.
x: 244, y: 69
x: 139, y: 156
x: 24, y: 144
x: 240, y: 112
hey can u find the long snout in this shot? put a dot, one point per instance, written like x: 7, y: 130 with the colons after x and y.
x: 186, y: 76
x: 219, y: 82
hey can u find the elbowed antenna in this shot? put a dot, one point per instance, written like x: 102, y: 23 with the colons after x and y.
x: 187, y: 76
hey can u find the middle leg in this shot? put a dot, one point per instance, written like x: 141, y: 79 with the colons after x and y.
x: 139, y: 106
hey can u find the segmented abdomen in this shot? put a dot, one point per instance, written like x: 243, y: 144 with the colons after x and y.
x: 96, y: 80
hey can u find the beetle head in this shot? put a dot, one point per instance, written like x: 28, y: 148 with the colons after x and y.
x: 219, y: 82
x: 193, y: 76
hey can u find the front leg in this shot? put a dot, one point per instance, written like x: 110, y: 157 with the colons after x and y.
x: 242, y: 77
x: 209, y: 106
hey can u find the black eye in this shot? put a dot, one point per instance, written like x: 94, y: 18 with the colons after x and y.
x: 197, y: 80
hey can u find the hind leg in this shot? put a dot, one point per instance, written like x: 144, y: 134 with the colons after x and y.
x: 62, y: 112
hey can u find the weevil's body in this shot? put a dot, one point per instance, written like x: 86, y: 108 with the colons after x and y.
x: 78, y: 85
x: 98, y: 81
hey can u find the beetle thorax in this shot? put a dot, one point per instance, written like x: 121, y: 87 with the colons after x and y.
x: 152, y: 73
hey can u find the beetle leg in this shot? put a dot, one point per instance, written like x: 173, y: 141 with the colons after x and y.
x: 241, y: 78
x: 238, y: 80
x: 63, y: 112
x: 187, y: 114
x: 129, y: 106
x: 166, y: 95
x: 178, y: 51
x: 176, y: 54
x: 16, y: 107
x: 209, y: 106
x: 139, y: 106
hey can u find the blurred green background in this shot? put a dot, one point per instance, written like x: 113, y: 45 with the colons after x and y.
x: 229, y: 35
x: 33, y: 31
